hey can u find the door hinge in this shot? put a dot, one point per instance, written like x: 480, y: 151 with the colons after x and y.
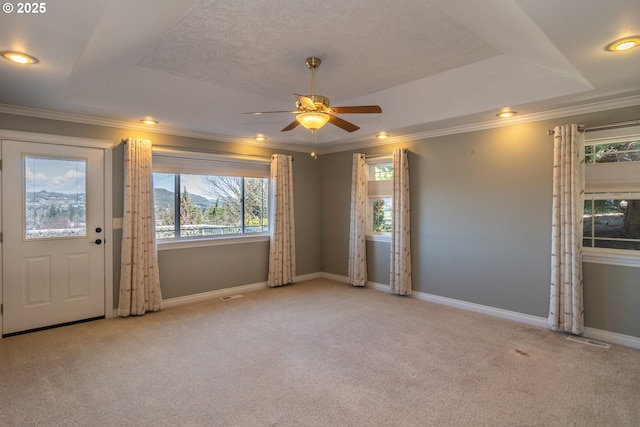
x: 1, y: 309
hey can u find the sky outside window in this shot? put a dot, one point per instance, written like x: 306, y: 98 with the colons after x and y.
x: 55, y: 175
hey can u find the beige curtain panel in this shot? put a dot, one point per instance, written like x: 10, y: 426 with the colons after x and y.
x: 358, y: 228
x: 400, y: 280
x: 566, y: 312
x: 139, y: 276
x: 282, y: 242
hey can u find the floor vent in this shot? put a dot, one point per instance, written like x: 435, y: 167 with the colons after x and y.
x: 227, y: 298
x: 589, y: 342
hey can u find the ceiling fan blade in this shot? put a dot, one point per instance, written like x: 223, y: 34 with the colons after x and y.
x: 361, y: 109
x: 305, y: 101
x: 343, y: 124
x: 290, y: 126
x: 269, y: 112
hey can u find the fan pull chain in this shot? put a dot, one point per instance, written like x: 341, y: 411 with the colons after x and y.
x: 313, y: 145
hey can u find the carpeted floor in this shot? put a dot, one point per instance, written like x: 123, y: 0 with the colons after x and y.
x: 318, y: 353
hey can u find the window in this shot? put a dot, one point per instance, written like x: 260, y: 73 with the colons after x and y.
x: 611, y: 231
x: 612, y: 221
x: 209, y: 196
x: 54, y: 197
x: 616, y: 151
x: 380, y: 188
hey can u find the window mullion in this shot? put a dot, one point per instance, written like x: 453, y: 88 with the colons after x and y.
x: 176, y: 209
x: 242, y: 223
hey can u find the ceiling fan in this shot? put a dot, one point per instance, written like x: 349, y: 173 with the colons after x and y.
x: 314, y: 111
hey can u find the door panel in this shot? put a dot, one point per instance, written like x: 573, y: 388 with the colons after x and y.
x: 78, y: 273
x: 52, y: 207
x: 37, y: 281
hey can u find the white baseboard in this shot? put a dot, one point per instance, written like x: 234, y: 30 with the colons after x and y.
x: 335, y: 277
x: 528, y: 319
x: 172, y: 302
x: 310, y: 276
x: 219, y: 293
x: 612, y: 337
x: 541, y: 322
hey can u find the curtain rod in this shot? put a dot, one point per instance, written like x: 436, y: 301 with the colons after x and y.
x: 617, y: 125
x: 373, y: 156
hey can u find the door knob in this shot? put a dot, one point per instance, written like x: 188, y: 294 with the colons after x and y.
x: 98, y: 241
x: 98, y: 230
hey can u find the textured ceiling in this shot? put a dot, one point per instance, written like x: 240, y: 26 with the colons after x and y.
x: 432, y: 65
x: 241, y: 45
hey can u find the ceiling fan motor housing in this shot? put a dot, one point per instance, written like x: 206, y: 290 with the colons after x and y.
x: 321, y: 103
x: 313, y: 62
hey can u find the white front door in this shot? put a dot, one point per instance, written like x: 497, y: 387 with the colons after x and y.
x: 53, y: 253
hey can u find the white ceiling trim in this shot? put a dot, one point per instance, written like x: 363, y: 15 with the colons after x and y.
x: 528, y: 118
x: 15, y: 135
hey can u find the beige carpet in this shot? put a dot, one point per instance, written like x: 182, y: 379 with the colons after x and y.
x: 318, y: 353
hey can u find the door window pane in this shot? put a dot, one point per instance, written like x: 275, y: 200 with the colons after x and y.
x: 54, y: 197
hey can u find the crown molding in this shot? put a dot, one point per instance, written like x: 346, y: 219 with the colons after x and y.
x: 100, y: 121
x: 334, y: 148
x: 593, y: 107
x: 121, y: 124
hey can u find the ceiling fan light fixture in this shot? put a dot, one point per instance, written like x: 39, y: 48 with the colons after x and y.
x: 313, y: 120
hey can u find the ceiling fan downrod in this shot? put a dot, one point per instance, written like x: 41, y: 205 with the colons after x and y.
x: 312, y: 64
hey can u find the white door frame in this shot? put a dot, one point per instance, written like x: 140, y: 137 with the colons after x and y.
x: 107, y: 147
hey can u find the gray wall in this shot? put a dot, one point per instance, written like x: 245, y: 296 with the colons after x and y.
x: 481, y: 223
x: 611, y: 295
x: 194, y: 270
x: 481, y: 205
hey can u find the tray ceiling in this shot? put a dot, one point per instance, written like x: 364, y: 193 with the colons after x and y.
x: 196, y: 66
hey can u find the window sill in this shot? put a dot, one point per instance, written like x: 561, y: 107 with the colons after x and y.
x: 611, y: 257
x: 164, y: 245
x: 382, y: 237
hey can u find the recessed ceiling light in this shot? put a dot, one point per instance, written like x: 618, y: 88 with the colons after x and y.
x: 624, y: 44
x: 382, y: 135
x: 260, y: 137
x: 18, y: 57
x: 506, y: 114
x: 149, y: 121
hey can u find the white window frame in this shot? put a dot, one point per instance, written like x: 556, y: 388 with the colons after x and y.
x: 174, y: 161
x: 377, y: 190
x: 612, y: 180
